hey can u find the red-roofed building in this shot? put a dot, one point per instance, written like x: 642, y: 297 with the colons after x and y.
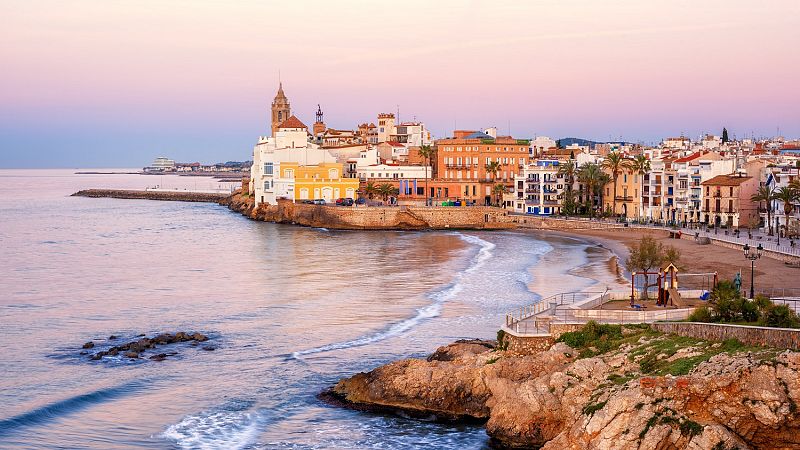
x: 726, y: 201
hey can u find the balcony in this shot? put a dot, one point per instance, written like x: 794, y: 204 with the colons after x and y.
x: 624, y: 198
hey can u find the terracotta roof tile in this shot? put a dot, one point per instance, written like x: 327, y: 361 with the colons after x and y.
x: 292, y: 122
x: 725, y: 180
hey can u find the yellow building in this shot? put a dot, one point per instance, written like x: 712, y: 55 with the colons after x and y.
x: 322, y: 181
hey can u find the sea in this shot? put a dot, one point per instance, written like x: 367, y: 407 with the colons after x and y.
x: 288, y: 310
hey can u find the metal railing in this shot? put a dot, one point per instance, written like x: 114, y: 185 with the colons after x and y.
x: 550, y: 303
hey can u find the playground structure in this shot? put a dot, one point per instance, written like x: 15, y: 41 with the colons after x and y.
x: 666, y: 282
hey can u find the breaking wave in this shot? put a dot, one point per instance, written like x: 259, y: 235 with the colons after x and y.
x: 426, y: 312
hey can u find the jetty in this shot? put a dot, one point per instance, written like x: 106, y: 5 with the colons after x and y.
x: 151, y: 194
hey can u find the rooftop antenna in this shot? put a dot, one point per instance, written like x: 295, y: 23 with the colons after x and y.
x: 398, y: 114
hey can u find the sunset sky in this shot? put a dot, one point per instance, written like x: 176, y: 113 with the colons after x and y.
x: 117, y: 83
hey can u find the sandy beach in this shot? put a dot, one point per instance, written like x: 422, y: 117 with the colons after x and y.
x: 695, y: 258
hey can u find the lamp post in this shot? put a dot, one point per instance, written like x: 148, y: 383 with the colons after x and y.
x: 752, y: 254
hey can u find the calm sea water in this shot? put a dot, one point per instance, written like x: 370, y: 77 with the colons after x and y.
x: 291, y: 310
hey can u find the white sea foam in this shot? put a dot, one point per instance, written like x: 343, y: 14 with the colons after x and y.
x: 212, y: 430
x: 427, y: 312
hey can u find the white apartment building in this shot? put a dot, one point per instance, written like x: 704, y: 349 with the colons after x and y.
x: 540, y: 189
x: 289, y: 145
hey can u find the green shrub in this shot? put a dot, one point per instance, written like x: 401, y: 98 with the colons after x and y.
x: 701, y: 314
x: 780, y: 316
x: 501, y: 340
x: 593, y: 334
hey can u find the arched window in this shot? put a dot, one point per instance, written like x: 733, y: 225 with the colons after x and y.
x: 280, y: 116
x: 333, y: 174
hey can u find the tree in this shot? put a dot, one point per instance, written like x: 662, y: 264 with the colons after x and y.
x: 788, y: 195
x: 385, y: 190
x: 370, y: 190
x: 602, y: 181
x: 640, y: 165
x: 492, y: 168
x: 724, y: 135
x: 615, y: 163
x: 568, y: 170
x: 498, y: 190
x: 590, y: 175
x: 426, y: 152
x: 649, y: 254
x: 765, y: 194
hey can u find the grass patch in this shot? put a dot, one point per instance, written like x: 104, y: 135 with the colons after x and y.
x: 592, y: 408
x: 620, y: 379
x: 492, y: 360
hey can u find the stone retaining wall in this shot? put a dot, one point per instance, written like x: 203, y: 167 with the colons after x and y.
x: 180, y: 196
x: 549, y: 223
x: 528, y: 345
x: 373, y: 218
x: 770, y: 337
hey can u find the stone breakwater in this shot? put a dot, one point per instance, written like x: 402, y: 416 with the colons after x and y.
x: 653, y: 391
x: 372, y: 218
x: 180, y: 196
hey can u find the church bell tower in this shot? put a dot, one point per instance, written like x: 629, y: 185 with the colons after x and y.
x: 280, y: 109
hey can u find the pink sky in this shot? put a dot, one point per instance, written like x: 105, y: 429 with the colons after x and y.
x: 197, y: 73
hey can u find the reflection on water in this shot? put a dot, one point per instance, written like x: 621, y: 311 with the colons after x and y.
x: 291, y: 310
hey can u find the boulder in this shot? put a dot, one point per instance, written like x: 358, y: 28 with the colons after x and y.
x: 131, y: 354
x: 199, y: 337
x: 88, y: 345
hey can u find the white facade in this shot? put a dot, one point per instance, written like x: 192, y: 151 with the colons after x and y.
x: 540, y: 145
x: 393, y: 172
x: 540, y: 189
x: 290, y: 145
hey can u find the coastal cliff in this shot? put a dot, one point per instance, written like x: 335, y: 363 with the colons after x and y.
x: 631, y: 388
x: 371, y: 218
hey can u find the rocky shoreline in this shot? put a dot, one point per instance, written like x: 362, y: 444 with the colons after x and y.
x: 404, y: 218
x: 606, y: 387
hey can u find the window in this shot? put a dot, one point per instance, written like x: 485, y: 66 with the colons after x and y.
x: 268, y: 168
x: 288, y: 173
x: 333, y: 174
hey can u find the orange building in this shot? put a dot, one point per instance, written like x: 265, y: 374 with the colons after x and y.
x: 460, y: 169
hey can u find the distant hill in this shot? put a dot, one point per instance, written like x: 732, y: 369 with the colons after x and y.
x: 573, y: 140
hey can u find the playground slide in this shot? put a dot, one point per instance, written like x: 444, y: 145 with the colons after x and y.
x: 675, y: 296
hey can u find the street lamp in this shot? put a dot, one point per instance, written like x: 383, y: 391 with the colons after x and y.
x: 752, y: 254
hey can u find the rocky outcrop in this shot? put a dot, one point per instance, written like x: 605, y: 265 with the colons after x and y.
x: 371, y: 218
x: 180, y: 196
x: 564, y: 398
x: 135, y: 349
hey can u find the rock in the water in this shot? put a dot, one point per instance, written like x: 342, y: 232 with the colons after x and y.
x: 181, y: 336
x: 209, y: 348
x: 159, y: 357
x: 88, y: 345
x: 199, y: 337
x: 112, y: 337
x: 131, y: 354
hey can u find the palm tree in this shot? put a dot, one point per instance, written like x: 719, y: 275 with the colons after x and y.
x: 603, y: 180
x: 640, y: 165
x: 589, y: 175
x: 765, y: 194
x: 426, y: 152
x: 787, y: 195
x: 568, y: 171
x: 492, y: 168
x: 370, y: 189
x: 615, y: 163
x: 498, y: 190
x: 385, y: 190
